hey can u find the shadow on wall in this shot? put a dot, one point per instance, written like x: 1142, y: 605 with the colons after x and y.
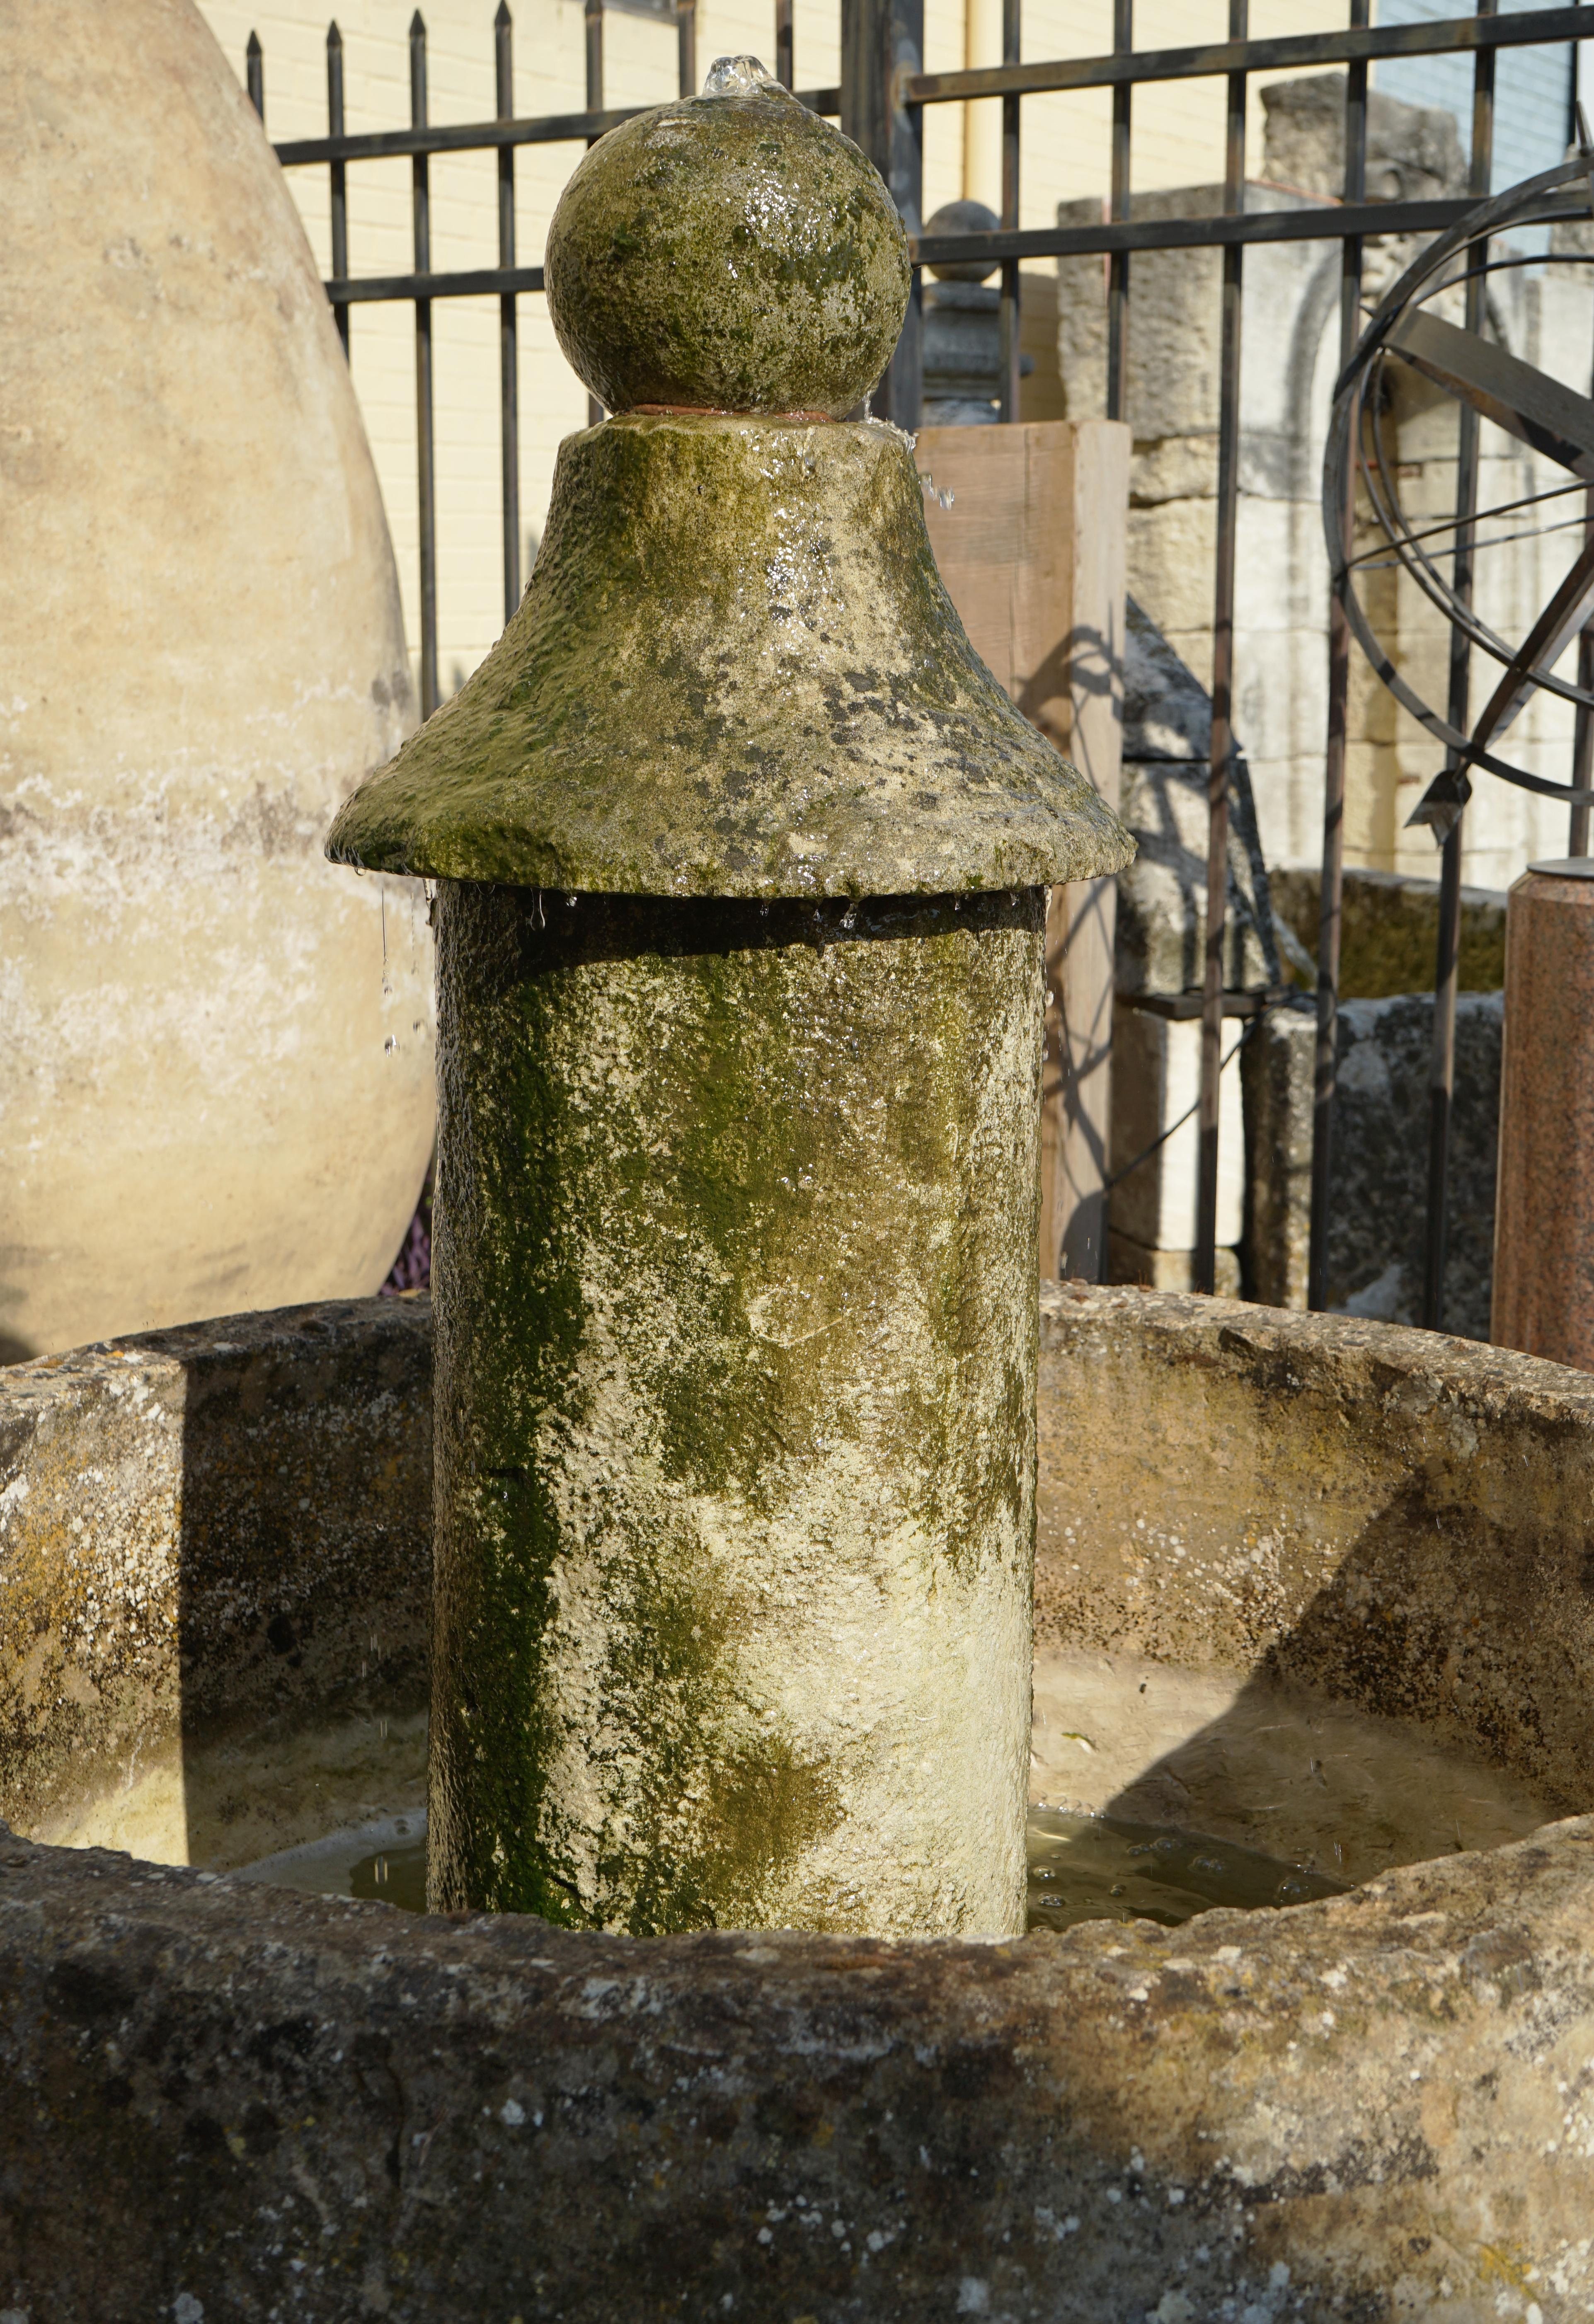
x: 216, y: 1567
x: 1392, y: 1723
x: 1394, y: 1522
x: 304, y: 1577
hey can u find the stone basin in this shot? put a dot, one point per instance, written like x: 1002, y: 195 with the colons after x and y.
x: 1321, y: 1546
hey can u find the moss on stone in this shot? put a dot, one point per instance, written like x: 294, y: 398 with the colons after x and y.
x: 736, y: 1318
x: 735, y: 672
x: 732, y: 253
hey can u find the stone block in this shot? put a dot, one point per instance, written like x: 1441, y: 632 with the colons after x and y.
x: 1378, y: 1207
x: 1413, y: 151
x: 1389, y: 930
x: 1162, y: 895
x: 1277, y: 1068
x: 1129, y: 1261
x: 1155, y: 1082
x: 1174, y: 346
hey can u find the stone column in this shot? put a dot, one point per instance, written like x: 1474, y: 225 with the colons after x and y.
x: 1544, y: 1279
x: 744, y: 858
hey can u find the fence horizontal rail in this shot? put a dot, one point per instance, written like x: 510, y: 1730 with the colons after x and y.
x: 1331, y: 222
x: 484, y: 136
x: 1291, y: 52
x: 481, y: 281
x: 1324, y: 222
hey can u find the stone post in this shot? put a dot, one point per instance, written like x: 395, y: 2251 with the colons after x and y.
x: 744, y: 858
x: 1543, y: 1278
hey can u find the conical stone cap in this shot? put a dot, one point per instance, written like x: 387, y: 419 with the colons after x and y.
x: 736, y: 670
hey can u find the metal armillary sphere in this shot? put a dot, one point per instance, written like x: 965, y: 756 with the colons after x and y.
x: 1552, y: 417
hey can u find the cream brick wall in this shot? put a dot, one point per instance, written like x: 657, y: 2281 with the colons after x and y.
x: 1178, y: 141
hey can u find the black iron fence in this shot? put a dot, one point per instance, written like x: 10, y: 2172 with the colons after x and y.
x: 881, y: 100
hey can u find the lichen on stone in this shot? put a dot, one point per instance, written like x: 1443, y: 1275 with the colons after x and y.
x: 735, y: 672
x: 736, y: 1314
x: 732, y: 252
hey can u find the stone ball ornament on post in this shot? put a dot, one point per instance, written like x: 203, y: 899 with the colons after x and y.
x: 741, y: 858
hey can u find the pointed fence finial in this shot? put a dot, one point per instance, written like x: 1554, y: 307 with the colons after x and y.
x: 254, y: 73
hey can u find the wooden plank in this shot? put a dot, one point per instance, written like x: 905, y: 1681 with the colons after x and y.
x: 1032, y: 552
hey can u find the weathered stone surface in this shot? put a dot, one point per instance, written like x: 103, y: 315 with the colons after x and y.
x: 223, y: 2101
x: 1414, y: 152
x: 737, y: 1192
x: 734, y: 1279
x: 1449, y: 1485
x: 211, y: 1540
x: 735, y: 672
x: 1389, y: 931
x: 226, y: 2102
x: 1381, y: 1201
x: 1380, y: 1158
x: 215, y: 1055
x: 1167, y: 742
x: 1398, y: 1518
x: 732, y: 252
x: 1277, y: 1068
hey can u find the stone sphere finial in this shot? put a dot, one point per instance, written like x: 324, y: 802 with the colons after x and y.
x: 729, y: 252
x: 965, y: 218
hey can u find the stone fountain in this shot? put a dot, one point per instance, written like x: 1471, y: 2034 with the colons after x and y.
x: 1276, y: 1555
x: 744, y: 858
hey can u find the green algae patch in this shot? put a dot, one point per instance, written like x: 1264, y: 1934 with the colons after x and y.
x: 736, y: 1343
x: 735, y: 672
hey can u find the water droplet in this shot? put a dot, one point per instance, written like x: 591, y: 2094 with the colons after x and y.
x: 738, y: 77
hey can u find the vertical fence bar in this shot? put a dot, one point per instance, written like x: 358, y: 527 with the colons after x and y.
x: 784, y: 44
x: 1228, y: 514
x: 594, y: 104
x: 1325, y: 1074
x: 425, y: 464
x: 1582, y: 742
x: 1011, y: 332
x: 1442, y: 1071
x: 904, y: 26
x: 509, y: 365
x: 254, y: 75
x: 882, y: 43
x: 338, y: 173
x: 1118, y: 210
x: 686, y: 46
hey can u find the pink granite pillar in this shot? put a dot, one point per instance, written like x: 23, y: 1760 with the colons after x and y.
x: 1543, y: 1278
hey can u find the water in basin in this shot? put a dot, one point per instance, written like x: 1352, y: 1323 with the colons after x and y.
x: 1275, y: 1769
x: 1156, y: 1793
x: 1081, y: 1868
x: 1153, y: 1789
